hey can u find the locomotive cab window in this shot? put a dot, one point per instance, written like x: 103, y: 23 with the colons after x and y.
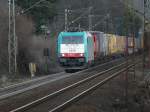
x: 72, y: 40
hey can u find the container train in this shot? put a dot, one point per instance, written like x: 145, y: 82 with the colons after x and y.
x: 78, y: 50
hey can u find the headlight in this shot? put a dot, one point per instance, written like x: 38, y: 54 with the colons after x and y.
x: 81, y: 54
x: 63, y: 55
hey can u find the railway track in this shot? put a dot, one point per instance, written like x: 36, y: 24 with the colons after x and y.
x: 60, y: 99
x: 22, y: 94
x: 16, y: 89
x: 28, y: 85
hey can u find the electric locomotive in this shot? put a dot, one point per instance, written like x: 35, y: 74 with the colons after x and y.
x: 75, y: 49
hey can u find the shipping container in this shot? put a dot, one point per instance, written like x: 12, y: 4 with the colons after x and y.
x: 106, y: 47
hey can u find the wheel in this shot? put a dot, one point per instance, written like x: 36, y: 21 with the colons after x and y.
x: 71, y: 70
x: 67, y: 70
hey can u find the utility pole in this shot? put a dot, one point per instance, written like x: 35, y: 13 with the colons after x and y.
x: 66, y: 19
x: 12, y: 39
x: 145, y: 2
x: 79, y: 27
x: 90, y: 19
x: 133, y: 38
x: 144, y: 17
x: 107, y: 22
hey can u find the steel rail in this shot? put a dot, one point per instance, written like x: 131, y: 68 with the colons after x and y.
x: 77, y: 97
x: 36, y: 102
x: 13, y: 93
x: 28, y: 86
x: 29, y: 81
x: 105, y: 63
x: 45, y: 77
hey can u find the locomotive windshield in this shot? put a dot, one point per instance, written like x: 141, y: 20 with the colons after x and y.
x: 72, y: 40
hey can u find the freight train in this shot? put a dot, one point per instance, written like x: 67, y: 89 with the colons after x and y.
x: 78, y: 50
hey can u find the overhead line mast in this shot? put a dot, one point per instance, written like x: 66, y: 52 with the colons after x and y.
x: 90, y: 19
x: 12, y: 39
